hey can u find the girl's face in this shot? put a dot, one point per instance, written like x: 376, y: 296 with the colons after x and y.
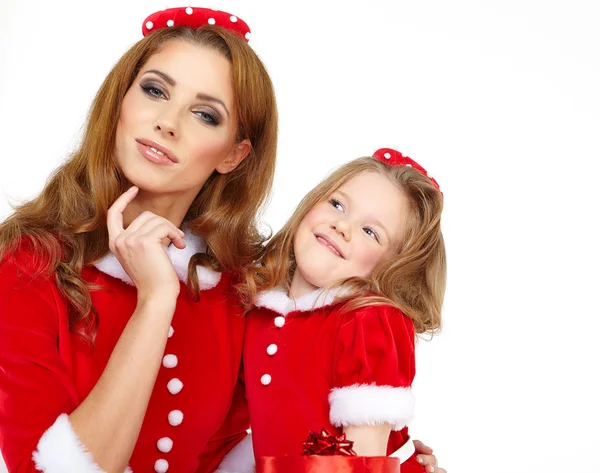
x: 350, y: 233
x: 177, y: 123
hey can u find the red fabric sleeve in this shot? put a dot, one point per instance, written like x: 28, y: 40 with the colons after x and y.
x: 35, y: 386
x: 373, y: 369
x: 375, y: 345
x: 234, y: 429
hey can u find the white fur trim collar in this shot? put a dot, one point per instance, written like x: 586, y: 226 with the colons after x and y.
x: 60, y: 451
x: 240, y: 459
x: 368, y: 404
x: 277, y: 300
x: 180, y: 258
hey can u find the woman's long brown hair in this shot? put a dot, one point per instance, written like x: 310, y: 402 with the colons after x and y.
x: 414, y: 281
x: 66, y: 223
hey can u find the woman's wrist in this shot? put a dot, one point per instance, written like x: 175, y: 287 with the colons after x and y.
x: 157, y: 302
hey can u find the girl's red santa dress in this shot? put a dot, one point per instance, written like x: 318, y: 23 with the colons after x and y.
x: 309, y: 365
x: 46, y: 369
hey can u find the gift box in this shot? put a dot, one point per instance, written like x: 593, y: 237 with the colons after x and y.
x: 326, y: 453
x: 327, y: 464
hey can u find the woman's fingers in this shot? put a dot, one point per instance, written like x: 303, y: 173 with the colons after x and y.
x: 158, y: 228
x: 420, y: 447
x: 139, y: 222
x: 114, y: 218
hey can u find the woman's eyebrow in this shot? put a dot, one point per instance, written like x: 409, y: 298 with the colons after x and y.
x: 200, y: 96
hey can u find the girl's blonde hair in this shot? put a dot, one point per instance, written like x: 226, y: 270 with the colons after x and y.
x: 414, y: 281
x: 66, y: 223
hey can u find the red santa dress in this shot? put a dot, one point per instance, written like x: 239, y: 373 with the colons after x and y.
x: 197, y: 410
x: 309, y: 365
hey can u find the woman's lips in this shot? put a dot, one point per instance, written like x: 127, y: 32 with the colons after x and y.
x: 154, y: 153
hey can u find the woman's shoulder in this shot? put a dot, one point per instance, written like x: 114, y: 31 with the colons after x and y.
x: 29, y: 259
x: 29, y: 296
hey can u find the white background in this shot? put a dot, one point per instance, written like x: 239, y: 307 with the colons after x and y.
x: 500, y: 100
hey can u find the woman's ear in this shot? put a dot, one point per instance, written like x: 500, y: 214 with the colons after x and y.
x: 239, y: 152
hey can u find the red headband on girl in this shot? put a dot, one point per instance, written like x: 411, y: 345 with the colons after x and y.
x: 395, y: 158
x: 195, y: 18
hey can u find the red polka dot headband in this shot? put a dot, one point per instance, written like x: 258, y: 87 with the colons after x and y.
x: 395, y: 158
x: 195, y: 18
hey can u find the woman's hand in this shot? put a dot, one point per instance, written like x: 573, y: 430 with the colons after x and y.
x: 140, y: 250
x: 426, y: 458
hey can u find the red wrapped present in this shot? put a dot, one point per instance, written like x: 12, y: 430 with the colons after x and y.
x: 326, y: 453
x: 327, y: 464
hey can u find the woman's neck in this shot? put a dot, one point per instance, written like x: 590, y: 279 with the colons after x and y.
x: 173, y: 208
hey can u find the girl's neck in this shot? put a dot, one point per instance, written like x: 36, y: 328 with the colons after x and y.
x: 300, y: 286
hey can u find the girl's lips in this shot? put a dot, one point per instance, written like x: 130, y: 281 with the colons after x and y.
x: 329, y: 244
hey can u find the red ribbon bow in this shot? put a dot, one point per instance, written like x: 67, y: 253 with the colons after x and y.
x: 327, y: 444
x: 395, y: 158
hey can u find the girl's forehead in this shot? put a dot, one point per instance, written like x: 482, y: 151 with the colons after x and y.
x: 366, y: 181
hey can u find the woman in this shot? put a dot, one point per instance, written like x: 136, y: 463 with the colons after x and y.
x: 132, y: 357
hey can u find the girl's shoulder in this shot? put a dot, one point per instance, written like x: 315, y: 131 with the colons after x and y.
x: 375, y: 323
x: 376, y: 313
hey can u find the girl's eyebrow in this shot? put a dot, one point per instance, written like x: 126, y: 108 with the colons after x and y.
x: 375, y: 221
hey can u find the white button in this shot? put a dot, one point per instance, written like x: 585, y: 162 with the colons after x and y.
x: 149, y: 25
x: 272, y: 349
x: 161, y: 466
x: 175, y: 418
x: 171, y: 331
x: 174, y: 386
x: 247, y: 36
x: 170, y: 361
x: 165, y: 444
x: 189, y: 10
x: 387, y: 155
x: 211, y: 21
x: 233, y: 18
x: 170, y: 23
x: 279, y: 321
x: 265, y: 379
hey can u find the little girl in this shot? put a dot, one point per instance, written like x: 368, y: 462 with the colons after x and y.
x: 340, y: 293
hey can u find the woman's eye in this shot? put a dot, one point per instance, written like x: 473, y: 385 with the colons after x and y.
x: 207, y: 117
x: 336, y: 203
x: 371, y: 233
x: 153, y: 91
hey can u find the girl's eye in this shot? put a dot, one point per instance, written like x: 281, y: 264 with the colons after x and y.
x: 207, y: 117
x: 336, y: 203
x: 371, y: 233
x: 153, y: 91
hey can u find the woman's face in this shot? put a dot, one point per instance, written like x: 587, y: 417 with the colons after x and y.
x: 177, y: 123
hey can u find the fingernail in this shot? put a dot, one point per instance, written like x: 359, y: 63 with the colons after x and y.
x: 419, y: 459
x: 181, y: 233
x: 132, y: 188
x: 431, y: 468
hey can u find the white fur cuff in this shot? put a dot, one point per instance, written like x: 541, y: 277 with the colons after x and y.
x: 371, y: 405
x: 240, y: 458
x: 60, y: 451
